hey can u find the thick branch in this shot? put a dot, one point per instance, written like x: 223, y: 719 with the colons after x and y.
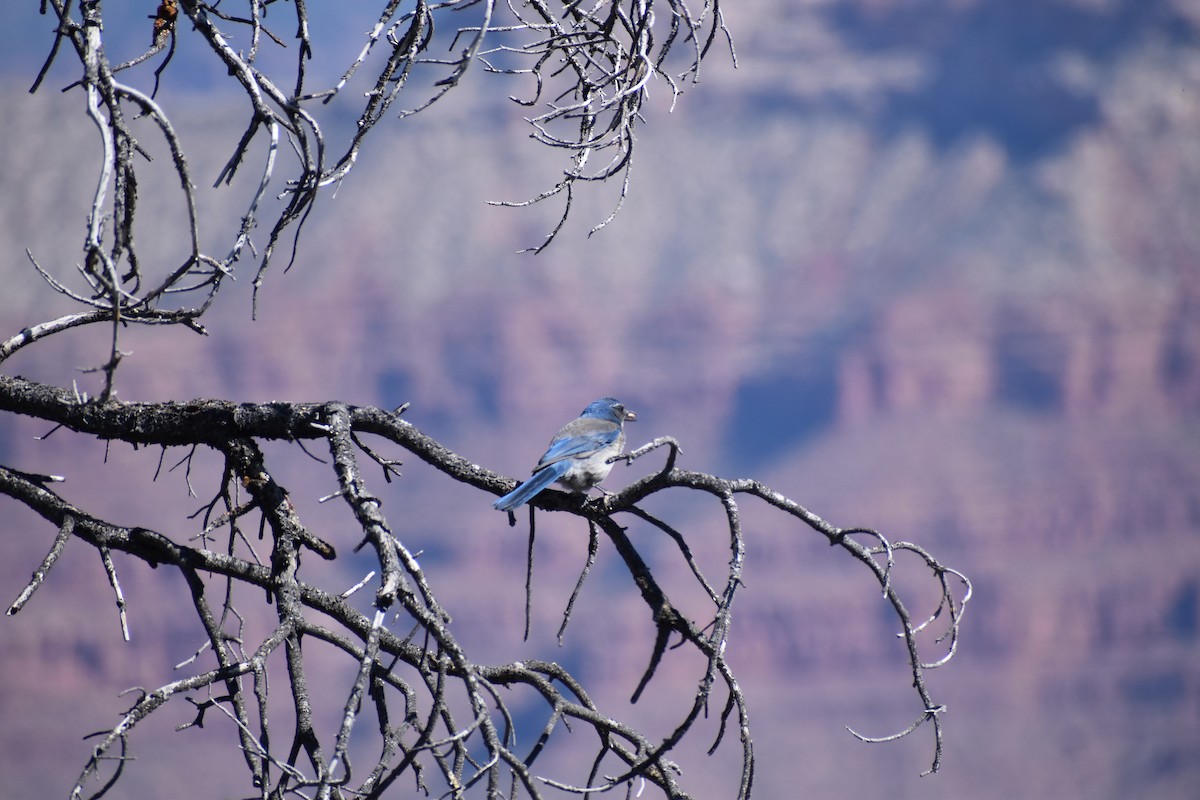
x: 440, y: 661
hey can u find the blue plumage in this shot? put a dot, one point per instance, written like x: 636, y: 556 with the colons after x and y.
x: 578, y: 454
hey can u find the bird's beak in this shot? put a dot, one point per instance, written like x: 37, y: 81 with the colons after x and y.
x: 630, y: 416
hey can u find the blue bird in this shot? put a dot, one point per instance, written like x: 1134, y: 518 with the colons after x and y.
x: 578, y: 455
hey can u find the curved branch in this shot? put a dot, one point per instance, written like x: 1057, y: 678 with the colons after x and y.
x: 439, y: 662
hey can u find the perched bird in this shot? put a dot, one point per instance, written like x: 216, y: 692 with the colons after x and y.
x: 578, y: 454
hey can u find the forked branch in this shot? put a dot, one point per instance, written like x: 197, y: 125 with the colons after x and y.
x: 426, y: 680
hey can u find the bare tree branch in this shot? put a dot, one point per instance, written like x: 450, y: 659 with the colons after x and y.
x: 445, y: 719
x: 591, y: 65
x: 444, y: 743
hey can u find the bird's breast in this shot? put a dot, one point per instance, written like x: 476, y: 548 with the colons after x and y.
x: 586, y: 473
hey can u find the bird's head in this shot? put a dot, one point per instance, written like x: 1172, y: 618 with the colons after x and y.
x: 609, y: 408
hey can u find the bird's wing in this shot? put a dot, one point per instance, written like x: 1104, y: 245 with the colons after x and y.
x: 579, y: 439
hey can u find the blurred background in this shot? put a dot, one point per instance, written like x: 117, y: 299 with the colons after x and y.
x: 928, y: 266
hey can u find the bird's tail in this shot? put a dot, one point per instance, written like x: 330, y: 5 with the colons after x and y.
x: 530, y: 488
